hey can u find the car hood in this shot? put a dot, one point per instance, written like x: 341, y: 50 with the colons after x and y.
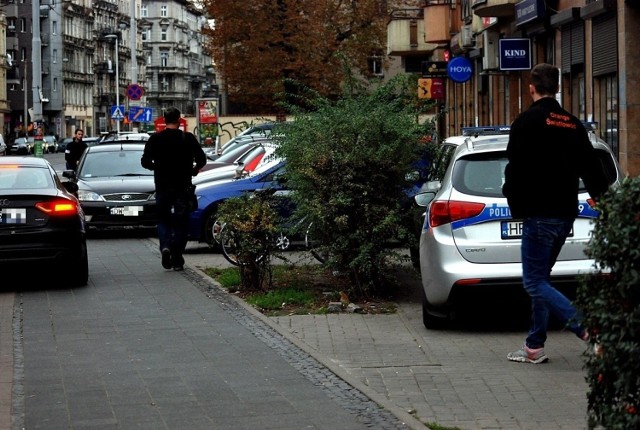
x: 118, y: 184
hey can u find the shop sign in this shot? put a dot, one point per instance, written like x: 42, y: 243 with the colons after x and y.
x: 528, y: 10
x: 460, y: 69
x: 515, y: 54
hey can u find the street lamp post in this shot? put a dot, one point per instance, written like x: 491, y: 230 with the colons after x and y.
x: 115, y: 36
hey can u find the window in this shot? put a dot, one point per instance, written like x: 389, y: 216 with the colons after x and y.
x: 54, y: 27
x: 146, y: 35
x: 164, y: 58
x: 163, y: 34
x: 375, y: 65
x: 23, y: 25
x: 54, y: 56
x: 55, y: 84
x: 165, y: 84
x: 144, y: 11
x: 163, y: 11
x: 606, y: 110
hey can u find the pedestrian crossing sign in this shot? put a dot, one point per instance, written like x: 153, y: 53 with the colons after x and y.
x: 117, y: 112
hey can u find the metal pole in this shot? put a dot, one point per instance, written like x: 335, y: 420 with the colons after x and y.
x: 36, y: 74
x: 134, y: 39
x: 36, y: 59
x: 117, y: 85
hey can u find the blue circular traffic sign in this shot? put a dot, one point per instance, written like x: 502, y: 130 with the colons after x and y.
x: 134, y: 92
x: 460, y: 69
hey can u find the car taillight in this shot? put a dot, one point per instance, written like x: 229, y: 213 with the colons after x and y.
x: 445, y: 211
x: 58, y: 207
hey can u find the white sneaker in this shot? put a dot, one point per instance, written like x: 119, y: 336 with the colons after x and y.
x: 528, y: 355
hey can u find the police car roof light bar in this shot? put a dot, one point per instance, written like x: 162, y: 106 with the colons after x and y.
x: 485, y: 130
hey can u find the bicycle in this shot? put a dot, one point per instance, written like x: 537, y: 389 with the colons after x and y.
x: 288, y: 234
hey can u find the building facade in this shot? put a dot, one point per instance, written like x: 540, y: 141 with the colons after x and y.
x: 92, y: 52
x: 592, y: 43
x: 177, y: 70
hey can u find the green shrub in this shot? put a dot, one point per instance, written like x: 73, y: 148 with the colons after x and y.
x: 254, y: 222
x: 610, y: 302
x: 349, y: 163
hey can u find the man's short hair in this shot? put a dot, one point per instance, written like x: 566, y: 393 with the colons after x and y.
x: 545, y: 78
x: 172, y: 116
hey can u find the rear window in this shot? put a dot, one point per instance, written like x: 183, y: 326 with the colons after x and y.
x: 25, y: 178
x: 481, y: 174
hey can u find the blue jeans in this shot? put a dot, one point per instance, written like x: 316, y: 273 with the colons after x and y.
x: 173, y: 223
x: 542, y: 240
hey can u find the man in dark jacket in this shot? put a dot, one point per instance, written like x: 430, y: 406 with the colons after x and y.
x: 74, y: 150
x: 549, y: 151
x: 174, y: 156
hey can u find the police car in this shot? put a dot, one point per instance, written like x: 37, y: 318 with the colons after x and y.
x: 470, y: 244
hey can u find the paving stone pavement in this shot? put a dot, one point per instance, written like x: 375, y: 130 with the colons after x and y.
x: 458, y: 377
x: 141, y: 347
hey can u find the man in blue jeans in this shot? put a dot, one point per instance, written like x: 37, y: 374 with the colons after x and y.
x: 549, y: 152
x: 174, y: 156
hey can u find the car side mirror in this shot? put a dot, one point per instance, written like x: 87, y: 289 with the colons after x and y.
x: 72, y: 187
x: 423, y: 199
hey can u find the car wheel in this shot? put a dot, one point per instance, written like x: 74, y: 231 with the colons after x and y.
x: 78, y: 271
x: 430, y: 318
x: 414, y: 251
x: 212, y: 228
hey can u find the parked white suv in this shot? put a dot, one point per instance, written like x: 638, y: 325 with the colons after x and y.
x: 469, y: 243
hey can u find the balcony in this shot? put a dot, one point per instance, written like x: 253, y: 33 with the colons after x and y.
x: 441, y: 21
x: 104, y: 99
x: 494, y: 8
x: 405, y: 33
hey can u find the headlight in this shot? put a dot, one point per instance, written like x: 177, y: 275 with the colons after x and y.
x: 89, y: 196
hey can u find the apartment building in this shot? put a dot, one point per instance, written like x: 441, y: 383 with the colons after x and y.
x: 592, y: 42
x: 91, y: 52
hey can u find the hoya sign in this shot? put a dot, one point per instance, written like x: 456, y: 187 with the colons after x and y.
x: 515, y: 54
x: 460, y: 69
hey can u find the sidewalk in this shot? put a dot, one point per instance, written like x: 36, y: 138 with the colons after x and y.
x: 141, y: 347
x: 455, y: 378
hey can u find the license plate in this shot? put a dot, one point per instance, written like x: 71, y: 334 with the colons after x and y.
x: 13, y: 216
x: 513, y: 230
x: 127, y: 211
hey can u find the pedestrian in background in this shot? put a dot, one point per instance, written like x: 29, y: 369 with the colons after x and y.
x: 74, y: 150
x: 549, y: 151
x: 175, y: 157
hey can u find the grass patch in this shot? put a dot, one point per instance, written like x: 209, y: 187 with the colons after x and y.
x: 297, y: 290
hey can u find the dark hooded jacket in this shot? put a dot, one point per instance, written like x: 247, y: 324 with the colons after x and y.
x: 549, y: 151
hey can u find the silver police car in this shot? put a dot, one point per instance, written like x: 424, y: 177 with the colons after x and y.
x: 469, y: 242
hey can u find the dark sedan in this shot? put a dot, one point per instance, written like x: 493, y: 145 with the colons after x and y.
x: 113, y: 188
x: 41, y: 220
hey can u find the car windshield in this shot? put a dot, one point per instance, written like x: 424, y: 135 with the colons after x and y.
x: 112, y: 163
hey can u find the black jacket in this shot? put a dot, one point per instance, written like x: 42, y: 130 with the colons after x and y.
x: 549, y: 151
x: 174, y: 157
x: 74, y: 151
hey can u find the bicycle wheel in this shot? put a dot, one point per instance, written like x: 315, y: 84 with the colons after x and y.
x: 229, y: 242
x: 320, y: 254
